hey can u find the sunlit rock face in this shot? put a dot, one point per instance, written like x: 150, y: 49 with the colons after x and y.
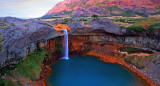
x: 104, y: 7
x: 105, y: 25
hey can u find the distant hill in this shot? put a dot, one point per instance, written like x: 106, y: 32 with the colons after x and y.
x: 76, y: 8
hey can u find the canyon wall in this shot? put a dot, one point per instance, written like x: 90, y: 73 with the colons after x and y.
x: 101, y: 36
x: 27, y: 36
x: 19, y: 38
x: 137, y: 41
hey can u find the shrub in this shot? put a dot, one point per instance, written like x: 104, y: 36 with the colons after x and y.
x: 154, y: 61
x: 151, y: 56
x: 2, y: 27
x: 8, y: 83
x: 141, y: 14
x: 7, y: 27
x: 128, y: 14
x: 129, y: 59
x: 136, y: 28
x: 95, y: 16
x: 115, y: 8
x: 122, y: 55
x: 0, y: 46
x: 1, y: 39
x: 2, y: 23
x: 129, y: 49
x: 138, y: 61
x: 59, y: 47
x: 140, y: 67
x: 66, y: 21
x: 154, y: 26
x: 82, y: 20
x: 57, y: 40
x: 12, y: 24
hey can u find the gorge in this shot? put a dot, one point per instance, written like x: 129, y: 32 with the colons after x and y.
x: 100, y: 38
x: 80, y: 43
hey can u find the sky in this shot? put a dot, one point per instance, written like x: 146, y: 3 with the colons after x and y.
x: 26, y: 8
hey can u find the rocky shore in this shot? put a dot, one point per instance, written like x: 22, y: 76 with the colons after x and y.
x: 109, y: 59
x: 110, y: 52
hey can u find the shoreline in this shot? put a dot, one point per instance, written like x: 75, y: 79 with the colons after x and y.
x: 110, y: 59
x: 120, y: 61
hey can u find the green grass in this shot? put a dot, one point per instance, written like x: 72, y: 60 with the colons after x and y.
x: 66, y: 21
x: 151, y: 56
x: 133, y: 61
x: 127, y: 20
x: 138, y: 64
x: 147, y: 21
x: 8, y: 83
x: 31, y: 67
x: 129, y: 59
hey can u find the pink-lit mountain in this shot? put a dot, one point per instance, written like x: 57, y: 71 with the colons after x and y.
x: 105, y: 7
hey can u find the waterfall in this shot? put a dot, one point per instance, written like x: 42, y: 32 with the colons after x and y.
x: 66, y: 44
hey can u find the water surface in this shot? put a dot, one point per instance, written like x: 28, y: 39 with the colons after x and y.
x: 88, y: 71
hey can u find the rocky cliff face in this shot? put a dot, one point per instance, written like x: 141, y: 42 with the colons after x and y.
x: 107, y: 47
x: 24, y: 37
x: 20, y: 38
x: 105, y: 7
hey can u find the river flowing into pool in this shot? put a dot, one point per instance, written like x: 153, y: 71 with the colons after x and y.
x: 89, y: 71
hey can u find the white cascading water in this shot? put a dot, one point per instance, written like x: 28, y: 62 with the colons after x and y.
x: 66, y: 44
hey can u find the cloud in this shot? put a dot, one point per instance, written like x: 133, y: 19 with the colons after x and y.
x: 25, y: 8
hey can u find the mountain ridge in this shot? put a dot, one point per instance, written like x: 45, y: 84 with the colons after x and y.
x: 105, y: 7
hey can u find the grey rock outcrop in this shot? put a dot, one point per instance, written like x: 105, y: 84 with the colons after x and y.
x: 22, y: 35
x: 105, y: 25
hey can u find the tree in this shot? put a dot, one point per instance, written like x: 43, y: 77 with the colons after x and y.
x: 95, y: 16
